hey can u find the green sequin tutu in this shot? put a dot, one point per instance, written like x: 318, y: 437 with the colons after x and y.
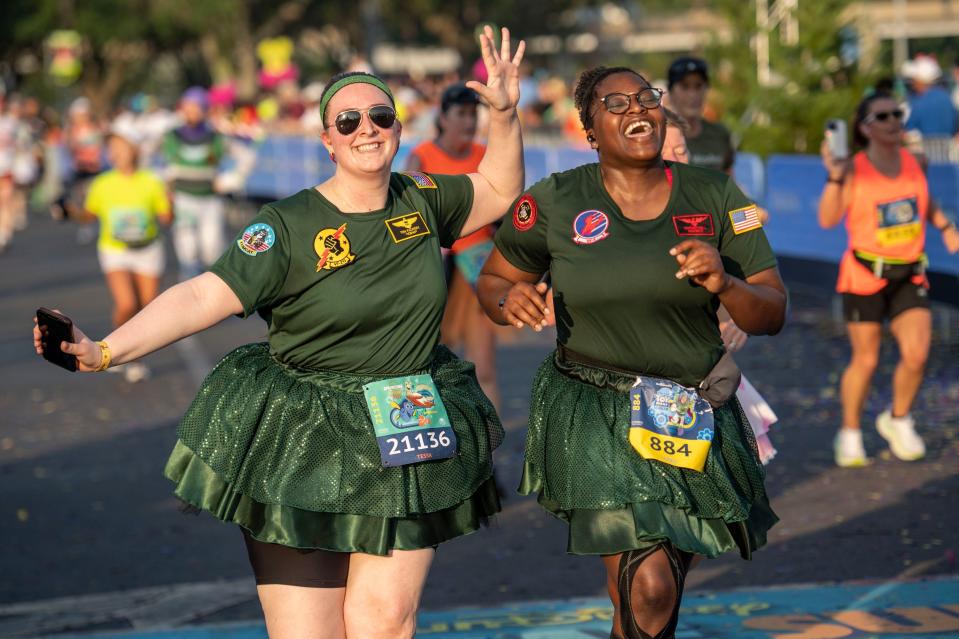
x: 580, y: 462
x: 290, y: 455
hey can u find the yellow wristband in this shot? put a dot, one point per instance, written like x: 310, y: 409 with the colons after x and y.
x: 105, y: 357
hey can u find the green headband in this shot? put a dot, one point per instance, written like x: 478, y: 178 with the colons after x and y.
x: 363, y: 78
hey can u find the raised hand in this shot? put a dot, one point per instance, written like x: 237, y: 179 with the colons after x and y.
x: 836, y: 167
x: 501, y: 91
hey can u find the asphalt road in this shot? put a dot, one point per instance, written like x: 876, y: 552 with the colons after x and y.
x: 84, y: 507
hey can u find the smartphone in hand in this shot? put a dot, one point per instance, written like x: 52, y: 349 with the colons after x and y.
x: 837, y: 139
x: 56, y: 328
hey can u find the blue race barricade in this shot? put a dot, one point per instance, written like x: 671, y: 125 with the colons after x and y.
x: 793, y: 186
x: 750, y: 174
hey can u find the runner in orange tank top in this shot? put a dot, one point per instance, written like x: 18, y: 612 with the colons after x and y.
x: 884, y: 196
x: 455, y: 152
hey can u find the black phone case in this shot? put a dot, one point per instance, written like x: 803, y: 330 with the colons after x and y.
x: 59, y: 329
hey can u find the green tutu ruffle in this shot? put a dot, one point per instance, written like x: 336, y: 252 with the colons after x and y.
x: 579, y: 461
x: 290, y: 455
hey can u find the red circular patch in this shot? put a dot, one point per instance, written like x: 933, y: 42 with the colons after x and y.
x: 524, y: 213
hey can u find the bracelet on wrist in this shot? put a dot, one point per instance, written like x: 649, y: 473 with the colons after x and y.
x: 832, y: 180
x: 105, y: 357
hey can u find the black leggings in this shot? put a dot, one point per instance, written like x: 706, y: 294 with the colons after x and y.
x: 278, y: 564
x: 679, y: 563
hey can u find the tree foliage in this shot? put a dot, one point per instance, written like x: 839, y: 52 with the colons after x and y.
x: 814, y: 80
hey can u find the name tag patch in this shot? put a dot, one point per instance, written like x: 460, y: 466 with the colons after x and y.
x: 699, y: 224
x: 406, y: 227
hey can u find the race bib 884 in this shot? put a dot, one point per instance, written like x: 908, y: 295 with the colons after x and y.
x: 670, y: 423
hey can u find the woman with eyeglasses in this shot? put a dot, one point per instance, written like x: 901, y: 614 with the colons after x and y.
x: 883, y: 194
x: 351, y: 445
x: 646, y: 471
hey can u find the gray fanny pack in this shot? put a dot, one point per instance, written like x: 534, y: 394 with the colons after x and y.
x: 721, y: 382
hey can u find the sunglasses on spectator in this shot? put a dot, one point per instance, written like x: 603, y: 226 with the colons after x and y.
x: 348, y: 121
x: 618, y: 103
x: 882, y: 116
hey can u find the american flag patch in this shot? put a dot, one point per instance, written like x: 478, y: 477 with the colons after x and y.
x: 422, y: 180
x: 745, y: 219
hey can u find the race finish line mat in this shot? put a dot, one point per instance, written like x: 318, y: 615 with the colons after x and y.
x: 890, y: 610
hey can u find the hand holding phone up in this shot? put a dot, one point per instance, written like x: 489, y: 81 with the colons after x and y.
x: 835, y: 149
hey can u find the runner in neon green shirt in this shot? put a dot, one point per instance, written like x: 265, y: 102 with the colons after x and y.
x: 129, y: 203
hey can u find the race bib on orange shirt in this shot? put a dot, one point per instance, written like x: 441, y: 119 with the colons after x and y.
x: 898, y: 222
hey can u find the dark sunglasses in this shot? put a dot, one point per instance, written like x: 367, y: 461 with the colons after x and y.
x: 348, y: 121
x: 618, y: 103
x: 882, y: 116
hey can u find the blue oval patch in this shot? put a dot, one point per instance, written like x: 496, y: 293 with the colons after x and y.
x: 590, y: 226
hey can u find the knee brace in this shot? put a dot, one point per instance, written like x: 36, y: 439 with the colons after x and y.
x: 629, y: 563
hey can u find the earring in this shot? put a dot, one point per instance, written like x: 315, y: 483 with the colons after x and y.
x: 332, y: 157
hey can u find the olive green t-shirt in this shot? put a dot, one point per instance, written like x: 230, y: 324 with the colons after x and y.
x: 712, y: 148
x: 616, y: 295
x: 355, y: 292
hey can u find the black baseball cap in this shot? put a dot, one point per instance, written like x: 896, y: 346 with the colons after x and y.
x: 457, y: 94
x: 681, y: 67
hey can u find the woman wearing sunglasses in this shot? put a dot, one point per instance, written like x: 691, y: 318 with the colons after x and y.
x: 351, y: 445
x: 620, y: 445
x: 883, y: 194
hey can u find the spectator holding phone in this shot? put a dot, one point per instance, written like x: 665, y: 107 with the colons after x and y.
x: 883, y: 195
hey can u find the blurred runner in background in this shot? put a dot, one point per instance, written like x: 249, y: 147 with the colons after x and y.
x: 883, y: 194
x: 128, y: 202
x: 455, y: 152
x: 193, y: 153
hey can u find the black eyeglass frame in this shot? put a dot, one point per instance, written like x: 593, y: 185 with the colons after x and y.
x: 653, y: 104
x: 882, y: 116
x: 348, y: 121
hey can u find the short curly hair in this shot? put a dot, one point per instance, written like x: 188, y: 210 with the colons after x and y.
x: 586, y: 88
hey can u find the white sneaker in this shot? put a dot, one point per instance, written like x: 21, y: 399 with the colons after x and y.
x: 136, y: 372
x: 901, y: 434
x: 848, y: 449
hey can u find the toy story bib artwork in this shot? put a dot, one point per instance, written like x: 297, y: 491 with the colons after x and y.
x: 409, y: 420
x: 670, y: 423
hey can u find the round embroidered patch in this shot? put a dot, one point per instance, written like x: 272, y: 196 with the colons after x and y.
x: 524, y: 213
x: 590, y: 226
x: 256, y: 239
